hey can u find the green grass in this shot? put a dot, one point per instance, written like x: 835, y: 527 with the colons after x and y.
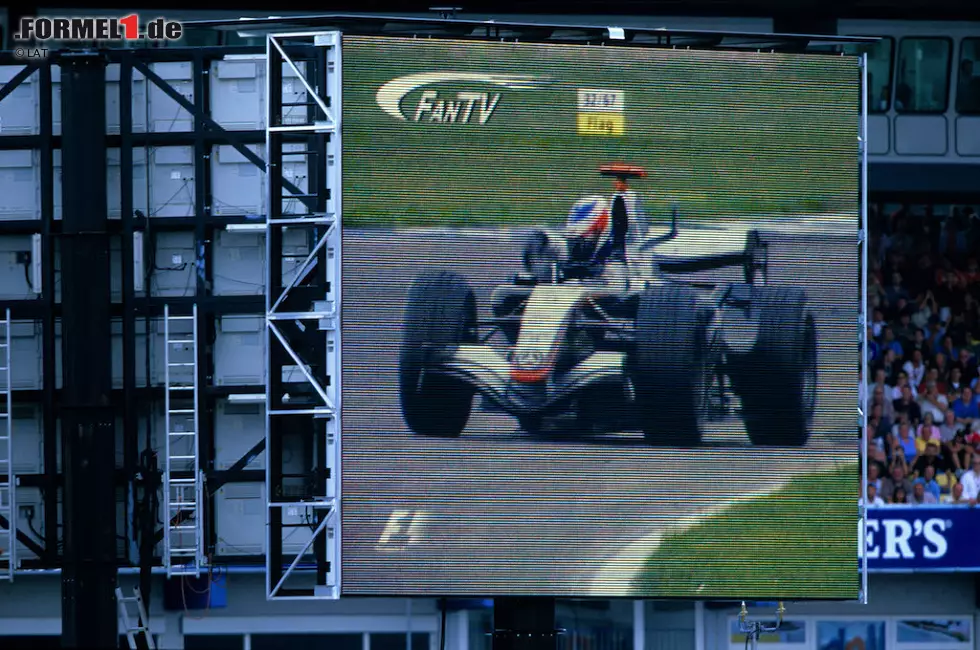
x: 764, y: 135
x: 798, y: 543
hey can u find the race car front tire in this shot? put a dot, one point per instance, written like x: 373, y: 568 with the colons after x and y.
x: 777, y: 380
x: 440, y: 315
x: 669, y: 368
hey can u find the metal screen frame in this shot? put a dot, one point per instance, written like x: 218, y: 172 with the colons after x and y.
x: 863, y: 236
x: 315, y: 304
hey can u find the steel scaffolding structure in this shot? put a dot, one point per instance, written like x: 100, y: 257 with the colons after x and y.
x: 302, y: 328
x: 8, y: 478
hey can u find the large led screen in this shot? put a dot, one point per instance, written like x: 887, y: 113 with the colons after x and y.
x: 600, y: 324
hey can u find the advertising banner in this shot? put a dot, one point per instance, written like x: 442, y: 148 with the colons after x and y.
x: 918, y: 538
x: 600, y: 313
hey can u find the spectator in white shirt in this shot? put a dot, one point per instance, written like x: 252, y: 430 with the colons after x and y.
x: 915, y: 369
x: 956, y: 497
x: 874, y: 500
x: 934, y: 403
x: 971, y: 481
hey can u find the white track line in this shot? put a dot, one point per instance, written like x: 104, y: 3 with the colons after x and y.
x: 619, y: 574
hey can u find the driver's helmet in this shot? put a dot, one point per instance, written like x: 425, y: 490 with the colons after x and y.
x: 588, y: 225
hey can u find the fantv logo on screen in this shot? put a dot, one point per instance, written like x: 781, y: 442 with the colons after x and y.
x: 891, y: 539
x: 469, y: 106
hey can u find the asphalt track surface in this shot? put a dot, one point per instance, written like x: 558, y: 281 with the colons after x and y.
x: 497, y: 511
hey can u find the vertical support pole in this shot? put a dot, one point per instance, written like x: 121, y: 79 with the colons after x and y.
x: 273, y: 244
x: 204, y: 324
x: 524, y: 623
x: 130, y: 406
x: 700, y: 629
x: 639, y: 625
x: 862, y: 328
x: 49, y: 417
x: 88, y: 439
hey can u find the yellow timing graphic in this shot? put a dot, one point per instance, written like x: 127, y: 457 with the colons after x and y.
x: 601, y: 112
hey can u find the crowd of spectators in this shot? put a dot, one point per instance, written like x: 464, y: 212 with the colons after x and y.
x: 923, y: 433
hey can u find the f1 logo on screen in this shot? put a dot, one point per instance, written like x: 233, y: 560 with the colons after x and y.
x: 403, y: 527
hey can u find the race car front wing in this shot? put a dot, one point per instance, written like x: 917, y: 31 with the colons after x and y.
x: 488, y: 370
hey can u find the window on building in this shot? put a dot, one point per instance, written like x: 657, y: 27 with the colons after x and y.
x: 968, y: 77
x: 214, y: 642
x: 397, y: 641
x: 791, y: 634
x: 922, y: 84
x: 843, y: 635
x: 307, y: 641
x: 948, y: 633
x: 881, y: 62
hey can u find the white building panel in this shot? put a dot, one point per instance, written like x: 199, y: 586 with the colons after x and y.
x: 237, y: 428
x: 14, y: 277
x: 240, y: 516
x: 117, y: 353
x: 27, y: 439
x: 113, y: 183
x: 20, y: 183
x: 921, y: 135
x: 25, y: 355
x: 29, y: 497
x: 171, y: 181
x: 968, y: 135
x: 166, y: 115
x: 239, y: 263
x: 18, y: 110
x: 237, y: 185
x: 239, y: 519
x: 295, y: 249
x: 139, y: 101
x: 879, y: 135
x: 175, y: 272
x: 141, y: 188
x: 296, y: 170
x: 238, y: 94
x: 293, y: 92
x: 239, y: 351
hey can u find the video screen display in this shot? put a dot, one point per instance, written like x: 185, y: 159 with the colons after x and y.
x: 600, y: 324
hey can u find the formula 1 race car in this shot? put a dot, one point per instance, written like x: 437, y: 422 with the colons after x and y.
x: 650, y: 349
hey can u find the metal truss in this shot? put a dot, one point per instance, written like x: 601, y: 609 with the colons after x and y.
x: 302, y: 323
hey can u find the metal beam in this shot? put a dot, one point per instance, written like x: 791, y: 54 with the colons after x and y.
x: 88, y: 419
x: 308, y: 362
x: 217, y: 479
x: 203, y: 120
x: 19, y: 78
x: 49, y: 418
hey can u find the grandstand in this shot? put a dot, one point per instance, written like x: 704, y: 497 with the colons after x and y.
x: 923, y: 434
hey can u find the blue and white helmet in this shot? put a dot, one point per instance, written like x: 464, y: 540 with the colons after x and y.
x: 589, y: 218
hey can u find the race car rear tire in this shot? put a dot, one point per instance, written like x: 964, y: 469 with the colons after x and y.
x: 440, y: 315
x: 777, y: 380
x: 669, y: 367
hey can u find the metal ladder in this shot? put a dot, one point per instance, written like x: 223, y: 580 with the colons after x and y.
x: 184, y: 530
x: 8, y: 481
x: 133, y: 629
